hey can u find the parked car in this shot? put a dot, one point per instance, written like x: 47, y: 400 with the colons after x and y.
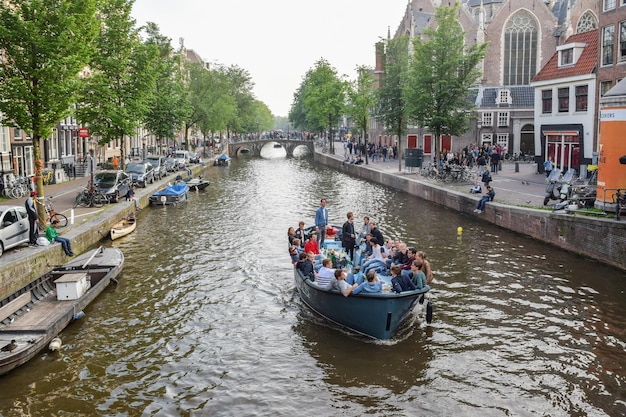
x: 171, y: 165
x: 113, y: 184
x: 14, y: 227
x: 182, y: 157
x: 158, y: 163
x: 141, y: 173
x: 194, y: 157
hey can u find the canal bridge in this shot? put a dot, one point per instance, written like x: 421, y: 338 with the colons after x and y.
x: 254, y: 147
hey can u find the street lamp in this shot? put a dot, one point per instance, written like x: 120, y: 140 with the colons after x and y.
x: 143, y: 142
x: 479, y: 125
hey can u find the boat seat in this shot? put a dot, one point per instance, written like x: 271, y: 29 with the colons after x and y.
x: 15, y: 305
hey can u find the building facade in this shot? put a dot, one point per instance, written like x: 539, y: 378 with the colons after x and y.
x: 522, y: 36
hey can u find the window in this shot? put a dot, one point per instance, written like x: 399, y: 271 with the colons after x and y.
x: 503, y: 119
x: 608, y: 5
x: 486, y: 138
x: 581, y: 98
x: 504, y: 96
x: 621, y: 52
x: 566, y: 57
x: 604, y: 87
x: 563, y: 100
x: 17, y: 133
x: 5, y: 143
x: 546, y: 100
x: 520, y: 49
x: 608, y: 41
x: 587, y: 22
x: 502, y: 139
x: 487, y: 119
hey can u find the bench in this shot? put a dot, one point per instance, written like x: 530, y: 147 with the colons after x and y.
x: 15, y: 305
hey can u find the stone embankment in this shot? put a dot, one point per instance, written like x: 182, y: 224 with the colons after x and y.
x: 517, y: 207
x: 22, y: 265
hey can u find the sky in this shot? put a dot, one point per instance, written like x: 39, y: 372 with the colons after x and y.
x: 276, y: 41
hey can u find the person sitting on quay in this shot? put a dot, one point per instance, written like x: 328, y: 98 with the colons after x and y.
x: 371, y: 286
x: 489, y: 195
x: 476, y: 188
x: 53, y: 235
x: 339, y: 283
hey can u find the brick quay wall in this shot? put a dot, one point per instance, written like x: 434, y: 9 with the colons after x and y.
x: 601, y: 239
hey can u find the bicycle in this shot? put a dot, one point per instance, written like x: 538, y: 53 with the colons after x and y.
x: 90, y: 197
x: 52, y: 216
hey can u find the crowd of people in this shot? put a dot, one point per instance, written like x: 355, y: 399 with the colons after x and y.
x: 368, y: 256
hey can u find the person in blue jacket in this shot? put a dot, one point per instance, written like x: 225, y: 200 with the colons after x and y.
x: 321, y: 221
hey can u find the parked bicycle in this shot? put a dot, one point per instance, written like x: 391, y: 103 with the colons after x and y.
x: 16, y: 187
x: 52, y: 216
x: 90, y: 197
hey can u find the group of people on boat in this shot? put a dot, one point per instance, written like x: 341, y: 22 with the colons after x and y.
x: 368, y: 256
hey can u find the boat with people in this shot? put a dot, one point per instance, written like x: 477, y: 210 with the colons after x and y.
x: 170, y: 194
x: 376, y: 315
x: 123, y: 227
x: 222, y: 160
x: 33, y: 316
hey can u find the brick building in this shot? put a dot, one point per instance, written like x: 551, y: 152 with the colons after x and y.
x: 522, y: 36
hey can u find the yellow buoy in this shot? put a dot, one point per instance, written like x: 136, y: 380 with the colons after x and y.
x: 459, y: 230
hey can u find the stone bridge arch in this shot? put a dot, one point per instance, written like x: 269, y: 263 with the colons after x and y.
x: 254, y: 146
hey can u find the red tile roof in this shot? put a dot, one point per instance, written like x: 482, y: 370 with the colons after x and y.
x: 586, y: 63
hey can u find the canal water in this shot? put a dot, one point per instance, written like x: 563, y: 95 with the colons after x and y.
x: 205, y: 320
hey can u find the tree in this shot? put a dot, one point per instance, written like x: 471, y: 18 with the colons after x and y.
x: 168, y: 106
x: 361, y: 99
x: 44, y: 45
x: 324, y: 97
x: 391, y: 96
x: 441, y: 72
x: 117, y: 95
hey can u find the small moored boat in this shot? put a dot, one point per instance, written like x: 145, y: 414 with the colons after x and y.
x: 171, y: 194
x: 197, y: 184
x: 222, y: 160
x: 123, y: 227
x: 34, y: 315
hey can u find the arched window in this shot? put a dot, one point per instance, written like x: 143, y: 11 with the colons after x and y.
x: 587, y: 22
x: 520, y: 49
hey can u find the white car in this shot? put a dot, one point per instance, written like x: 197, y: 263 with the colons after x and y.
x: 14, y: 227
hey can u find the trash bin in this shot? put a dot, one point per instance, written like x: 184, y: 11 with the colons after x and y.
x: 414, y: 158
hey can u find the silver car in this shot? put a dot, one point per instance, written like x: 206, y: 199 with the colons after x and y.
x: 158, y: 163
x: 14, y: 227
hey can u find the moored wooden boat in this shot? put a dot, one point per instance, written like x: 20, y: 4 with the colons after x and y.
x: 34, y: 315
x: 171, y: 194
x: 123, y: 227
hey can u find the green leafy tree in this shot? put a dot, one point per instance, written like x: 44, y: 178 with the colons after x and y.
x: 442, y: 71
x: 117, y: 95
x: 391, y: 98
x: 44, y: 45
x: 168, y: 106
x: 325, y: 97
x: 362, y: 99
x: 218, y: 105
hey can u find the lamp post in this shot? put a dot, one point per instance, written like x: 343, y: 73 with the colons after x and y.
x: 143, y: 142
x: 479, y: 125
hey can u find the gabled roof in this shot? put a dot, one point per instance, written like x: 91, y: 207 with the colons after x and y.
x: 586, y: 63
x: 522, y: 97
